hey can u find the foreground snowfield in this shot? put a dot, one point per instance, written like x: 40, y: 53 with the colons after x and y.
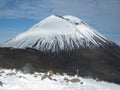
x: 19, y: 81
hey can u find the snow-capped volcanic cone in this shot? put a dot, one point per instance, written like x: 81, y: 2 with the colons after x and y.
x: 58, y: 33
x: 64, y: 44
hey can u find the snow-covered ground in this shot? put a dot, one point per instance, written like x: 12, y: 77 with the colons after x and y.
x: 19, y: 81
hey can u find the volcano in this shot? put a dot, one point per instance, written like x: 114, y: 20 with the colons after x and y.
x: 64, y: 44
x: 58, y: 33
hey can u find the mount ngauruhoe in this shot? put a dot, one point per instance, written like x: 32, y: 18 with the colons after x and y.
x: 58, y: 33
x: 64, y: 44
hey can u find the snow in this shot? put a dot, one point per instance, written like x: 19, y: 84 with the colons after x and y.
x: 72, y: 18
x: 20, y: 81
x: 56, y: 26
x: 53, y: 25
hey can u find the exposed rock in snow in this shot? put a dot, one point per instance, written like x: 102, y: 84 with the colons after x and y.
x: 28, y: 68
x: 1, y: 84
x: 29, y: 82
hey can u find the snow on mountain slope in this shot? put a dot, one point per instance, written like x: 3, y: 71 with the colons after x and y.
x: 19, y: 81
x: 58, y: 33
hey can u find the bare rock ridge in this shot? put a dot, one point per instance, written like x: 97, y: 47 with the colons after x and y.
x: 64, y: 44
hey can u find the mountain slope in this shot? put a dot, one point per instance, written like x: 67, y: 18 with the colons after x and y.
x: 96, y: 62
x: 58, y: 33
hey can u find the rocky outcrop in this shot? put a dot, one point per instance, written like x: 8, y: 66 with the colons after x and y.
x: 28, y: 68
x: 48, y: 75
x: 1, y: 84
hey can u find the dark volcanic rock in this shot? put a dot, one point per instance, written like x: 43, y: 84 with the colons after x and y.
x: 1, y: 84
x: 102, y: 62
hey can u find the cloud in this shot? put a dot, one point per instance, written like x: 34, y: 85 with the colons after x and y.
x: 36, y: 8
x: 22, y: 9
